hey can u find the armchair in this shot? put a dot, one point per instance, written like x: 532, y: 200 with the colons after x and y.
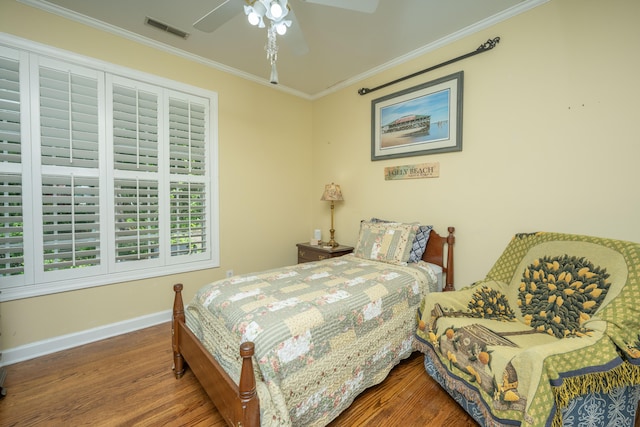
x: 551, y: 336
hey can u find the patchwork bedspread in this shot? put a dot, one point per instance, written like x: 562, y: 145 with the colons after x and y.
x: 323, y: 331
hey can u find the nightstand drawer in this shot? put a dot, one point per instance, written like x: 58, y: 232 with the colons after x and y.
x: 305, y: 255
x: 309, y: 253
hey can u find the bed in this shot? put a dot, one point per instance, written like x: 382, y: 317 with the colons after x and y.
x: 299, y: 355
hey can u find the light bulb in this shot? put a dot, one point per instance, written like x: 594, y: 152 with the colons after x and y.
x: 281, y: 29
x: 276, y: 9
x: 253, y: 18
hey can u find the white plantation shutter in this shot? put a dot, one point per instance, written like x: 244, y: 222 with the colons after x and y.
x: 135, y: 129
x: 11, y: 194
x: 136, y: 173
x: 188, y: 168
x: 11, y: 226
x: 10, y: 142
x: 70, y: 198
x: 137, y: 221
x: 188, y: 218
x: 70, y: 222
x: 68, y: 119
x: 106, y: 174
x: 186, y: 137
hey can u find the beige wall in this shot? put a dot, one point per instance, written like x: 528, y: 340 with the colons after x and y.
x: 550, y: 138
x: 258, y: 153
x: 550, y: 143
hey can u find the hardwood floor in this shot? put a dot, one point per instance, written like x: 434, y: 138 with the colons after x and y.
x: 127, y: 380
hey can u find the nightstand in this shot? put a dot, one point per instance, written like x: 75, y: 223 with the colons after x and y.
x: 308, y: 253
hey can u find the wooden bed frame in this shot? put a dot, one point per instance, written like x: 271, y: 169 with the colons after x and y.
x: 238, y: 403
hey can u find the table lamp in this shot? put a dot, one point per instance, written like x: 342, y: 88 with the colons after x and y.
x: 332, y: 193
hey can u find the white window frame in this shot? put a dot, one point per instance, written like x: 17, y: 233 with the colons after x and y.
x: 35, y: 281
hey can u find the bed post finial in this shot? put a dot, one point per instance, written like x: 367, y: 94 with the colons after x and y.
x: 451, y: 240
x: 247, y: 388
x: 178, y: 316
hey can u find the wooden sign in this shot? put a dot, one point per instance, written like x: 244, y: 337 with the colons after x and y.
x: 423, y: 170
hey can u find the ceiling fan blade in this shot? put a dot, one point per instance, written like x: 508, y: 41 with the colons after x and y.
x: 366, y: 6
x: 218, y: 16
x: 294, y: 36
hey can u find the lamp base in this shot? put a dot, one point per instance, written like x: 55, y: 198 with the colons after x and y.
x: 332, y: 242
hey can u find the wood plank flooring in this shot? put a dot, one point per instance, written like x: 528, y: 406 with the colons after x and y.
x: 127, y: 380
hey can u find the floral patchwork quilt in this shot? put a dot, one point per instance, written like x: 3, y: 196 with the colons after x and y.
x: 323, y: 331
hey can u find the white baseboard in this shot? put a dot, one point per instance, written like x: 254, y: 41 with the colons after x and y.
x: 63, y: 342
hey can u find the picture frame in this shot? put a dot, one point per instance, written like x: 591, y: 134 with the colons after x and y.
x: 424, y: 119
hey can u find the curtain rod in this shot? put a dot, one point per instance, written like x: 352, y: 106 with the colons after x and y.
x: 488, y: 45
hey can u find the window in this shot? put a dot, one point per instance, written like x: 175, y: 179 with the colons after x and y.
x: 106, y: 174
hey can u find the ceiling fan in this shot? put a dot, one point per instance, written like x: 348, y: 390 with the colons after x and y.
x: 280, y: 18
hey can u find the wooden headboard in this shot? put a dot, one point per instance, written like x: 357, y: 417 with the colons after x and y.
x: 434, y: 253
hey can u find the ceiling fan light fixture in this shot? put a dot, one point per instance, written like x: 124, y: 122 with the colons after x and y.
x: 274, y: 11
x: 272, y: 14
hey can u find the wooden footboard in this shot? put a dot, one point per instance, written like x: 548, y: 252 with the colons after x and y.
x: 238, y: 404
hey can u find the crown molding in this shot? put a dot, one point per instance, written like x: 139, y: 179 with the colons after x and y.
x: 465, y: 32
x: 103, y: 26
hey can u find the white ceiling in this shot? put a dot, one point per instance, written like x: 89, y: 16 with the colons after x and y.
x: 344, y: 46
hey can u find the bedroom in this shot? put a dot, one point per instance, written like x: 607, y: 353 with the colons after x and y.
x: 532, y: 158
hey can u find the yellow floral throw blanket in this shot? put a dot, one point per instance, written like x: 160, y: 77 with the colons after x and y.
x: 558, y: 316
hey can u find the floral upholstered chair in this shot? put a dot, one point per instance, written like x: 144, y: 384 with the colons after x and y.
x: 551, y: 336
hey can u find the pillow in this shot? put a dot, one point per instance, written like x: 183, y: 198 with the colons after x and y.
x: 385, y: 241
x: 419, y: 244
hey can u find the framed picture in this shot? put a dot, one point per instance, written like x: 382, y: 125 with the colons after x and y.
x: 424, y: 119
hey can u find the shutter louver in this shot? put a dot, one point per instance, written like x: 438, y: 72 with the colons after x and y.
x: 70, y: 221
x: 68, y: 119
x: 11, y: 226
x: 135, y: 129
x: 187, y: 137
x: 10, y: 141
x: 188, y: 218
x: 11, y: 214
x: 137, y: 229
